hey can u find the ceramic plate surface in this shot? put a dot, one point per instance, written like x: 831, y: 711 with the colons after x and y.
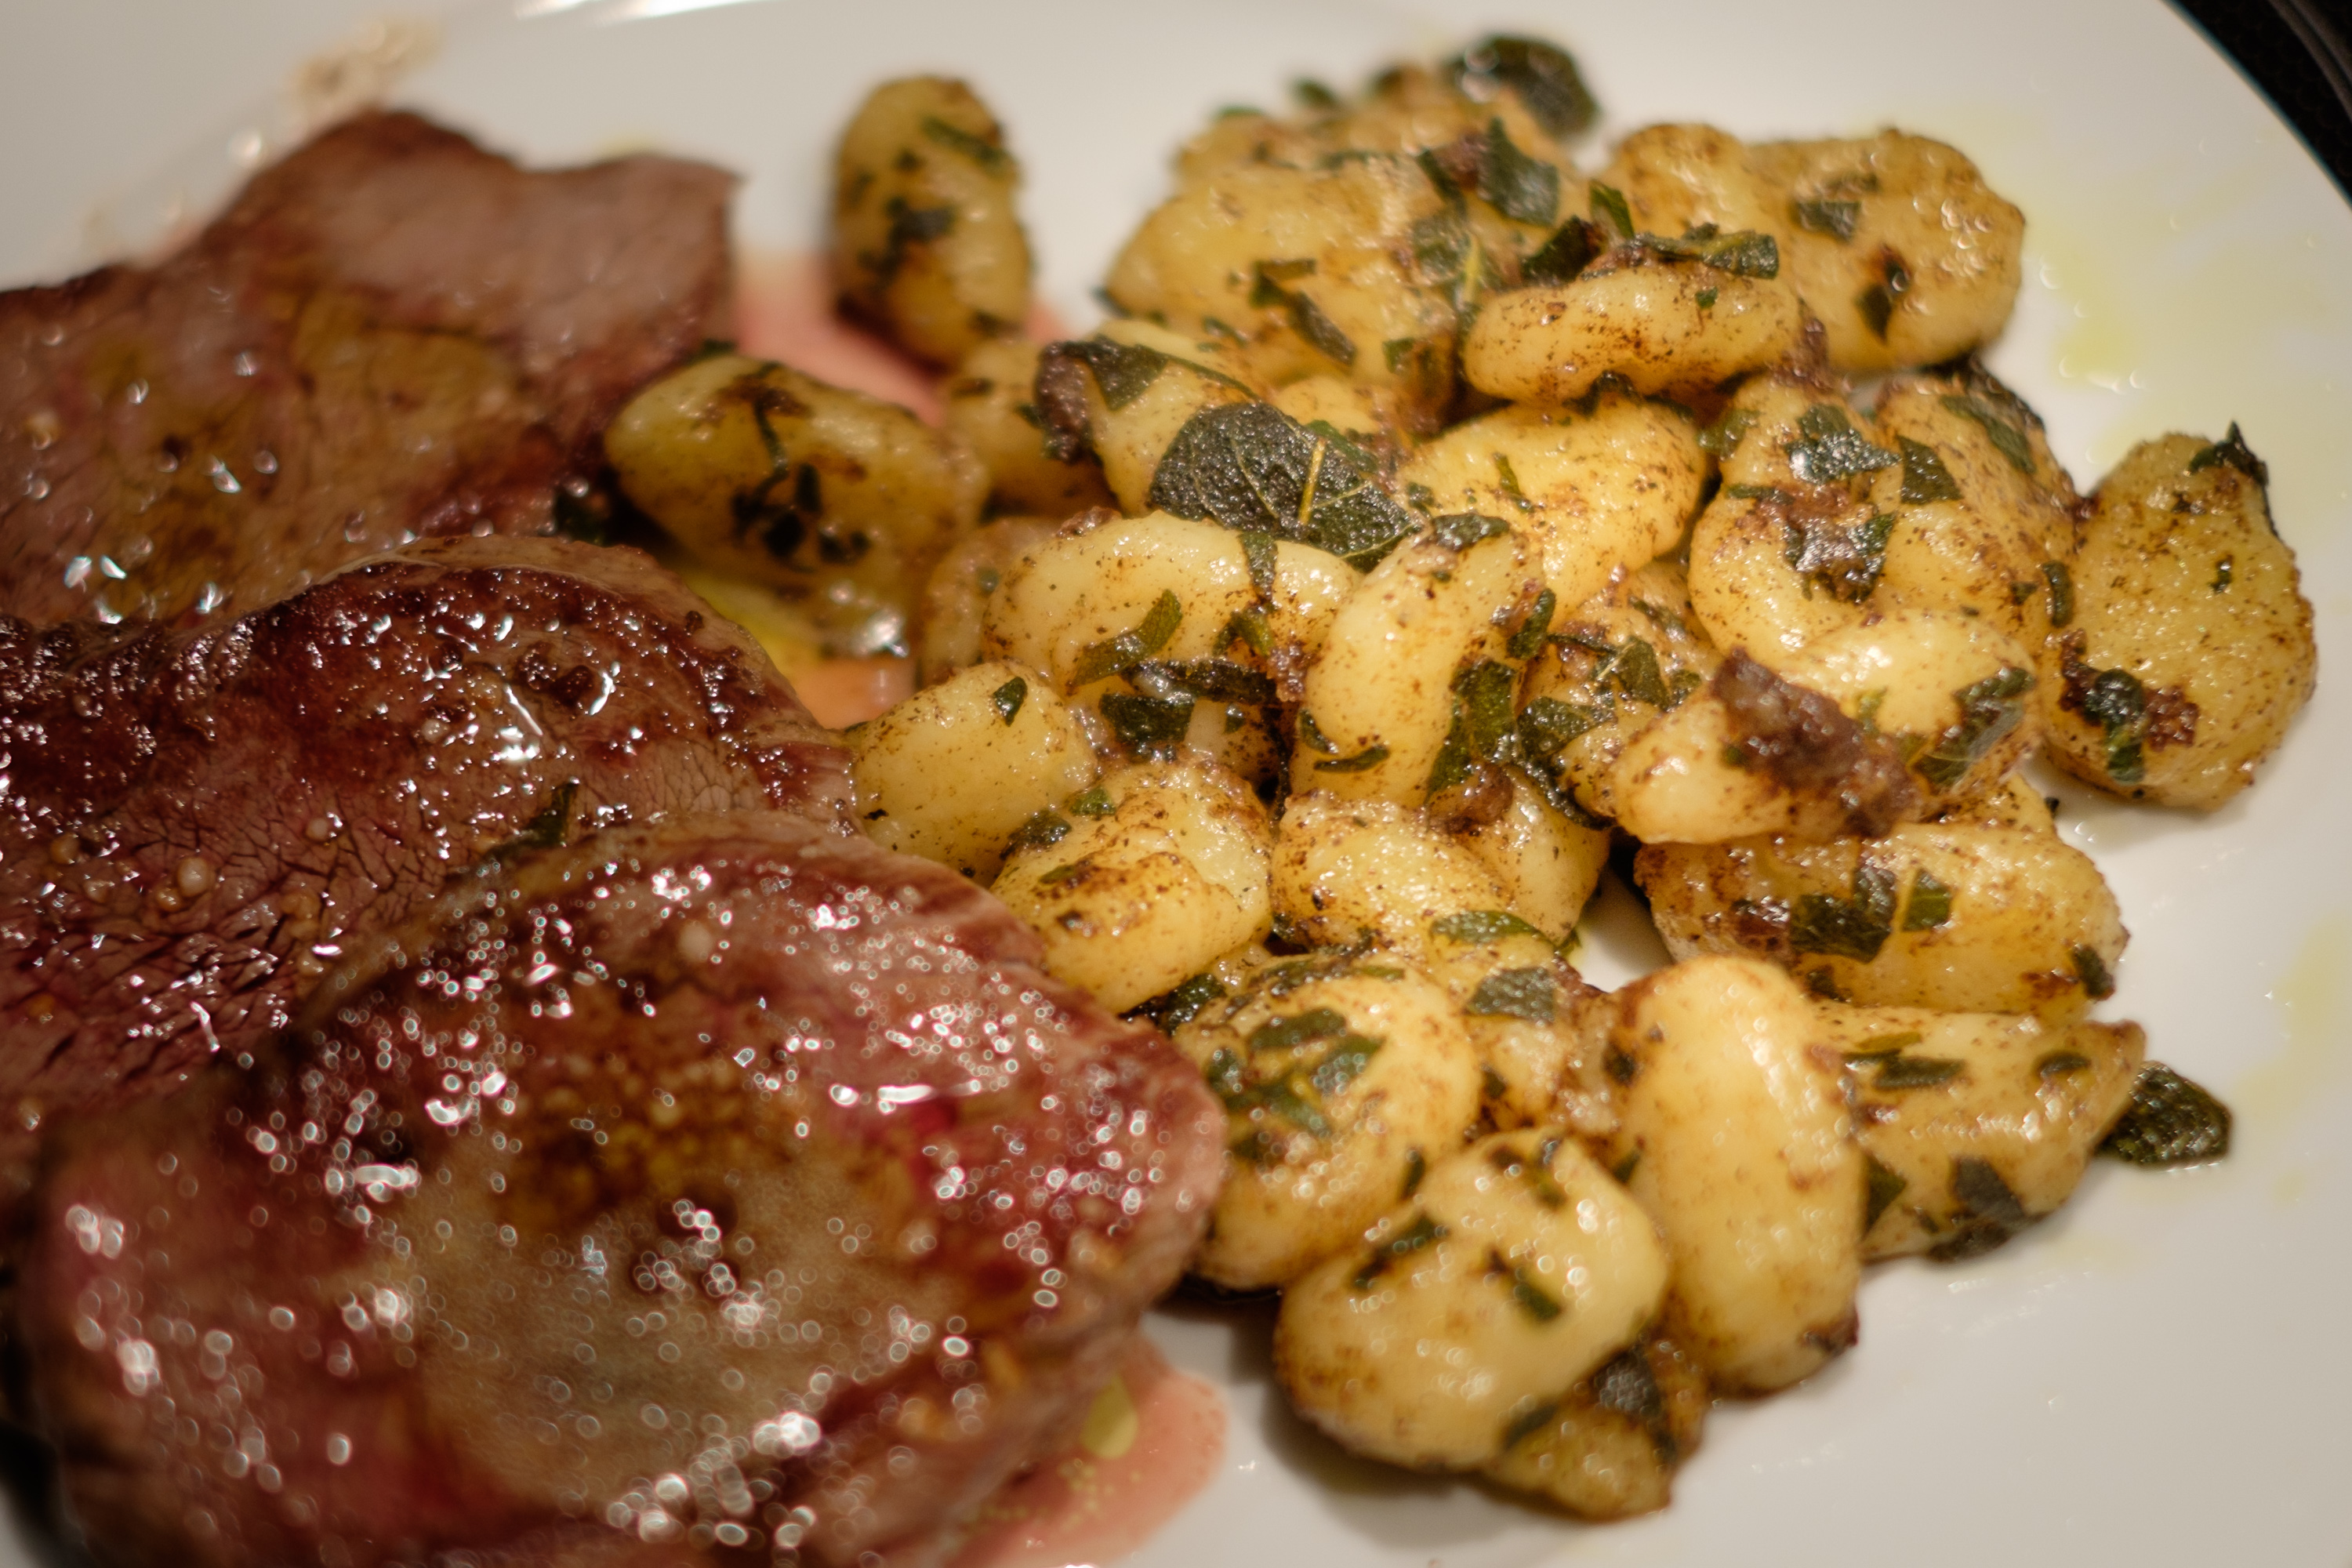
x: 2161, y: 1375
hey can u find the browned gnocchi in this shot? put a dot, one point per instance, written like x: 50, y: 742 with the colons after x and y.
x: 1432, y: 522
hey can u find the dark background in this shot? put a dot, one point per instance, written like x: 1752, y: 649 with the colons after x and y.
x: 2299, y: 53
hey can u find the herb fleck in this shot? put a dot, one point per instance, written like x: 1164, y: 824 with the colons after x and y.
x: 1526, y: 994
x: 1364, y: 761
x: 1925, y: 477
x: 2008, y: 439
x: 1117, y: 655
x: 1883, y: 1187
x: 1461, y: 530
x: 2232, y: 450
x: 1609, y: 207
x: 1989, y: 710
x: 2098, y: 984
x: 2170, y: 1121
x: 1523, y: 189
x: 2062, y: 592
x: 1007, y: 699
x: 979, y: 149
x: 1838, y: 219
x: 1900, y: 1072
x: 1424, y: 1232
x: 1544, y: 76
x: 1832, y: 449
x: 1481, y: 926
x: 1854, y: 928
x: 1147, y: 726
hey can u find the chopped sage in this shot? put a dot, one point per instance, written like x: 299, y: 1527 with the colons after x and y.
x: 1218, y: 679
x: 2058, y: 1064
x: 2062, y: 592
x: 1282, y: 1033
x: 1745, y: 252
x: 1882, y: 1046
x: 979, y: 149
x: 1719, y: 438
x: 1117, y: 655
x: 1122, y: 371
x: 2098, y: 984
x: 1362, y: 762
x: 1461, y: 530
x: 1310, y: 734
x: 1882, y: 1187
x: 1321, y: 333
x: 1148, y: 726
x: 1532, y: 629
x: 1854, y: 928
x: 2170, y: 1121
x: 1094, y: 802
x: 1523, y: 189
x: 1531, y: 1298
x: 1989, y: 710
x: 1544, y: 77
x: 1844, y: 560
x: 2008, y: 439
x: 1899, y: 1072
x: 1481, y: 926
x: 1184, y: 1004
x: 1635, y: 670
x: 1536, y: 1172
x: 1546, y: 725
x: 1345, y: 1064
x: 1609, y: 207
x: 1832, y: 449
x: 1925, y: 477
x: 1250, y: 628
x: 1929, y: 905
x: 1261, y: 558
x: 1267, y: 277
x: 1526, y: 994
x: 2232, y: 450
x: 1007, y: 699
x: 1528, y: 1423
x: 1253, y: 468
x: 1424, y: 1232
x: 1567, y: 253
x: 1509, y: 479
x: 1837, y: 218
x: 1043, y: 830
x: 1985, y: 1212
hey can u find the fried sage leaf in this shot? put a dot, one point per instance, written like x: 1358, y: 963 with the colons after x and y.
x: 1544, y: 76
x: 2170, y: 1121
x: 1832, y: 449
x: 1252, y: 467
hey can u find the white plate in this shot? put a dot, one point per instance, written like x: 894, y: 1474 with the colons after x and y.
x: 2161, y: 1375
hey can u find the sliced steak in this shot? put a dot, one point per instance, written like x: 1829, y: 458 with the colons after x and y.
x: 723, y: 1183
x: 388, y: 335
x: 195, y: 824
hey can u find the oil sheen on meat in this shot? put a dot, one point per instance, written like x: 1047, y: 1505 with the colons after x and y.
x: 729, y: 1187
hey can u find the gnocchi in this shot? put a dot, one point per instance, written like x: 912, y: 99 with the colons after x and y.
x: 1430, y: 519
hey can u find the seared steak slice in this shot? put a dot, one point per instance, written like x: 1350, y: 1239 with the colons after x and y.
x: 194, y: 826
x: 390, y: 334
x: 725, y: 1183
